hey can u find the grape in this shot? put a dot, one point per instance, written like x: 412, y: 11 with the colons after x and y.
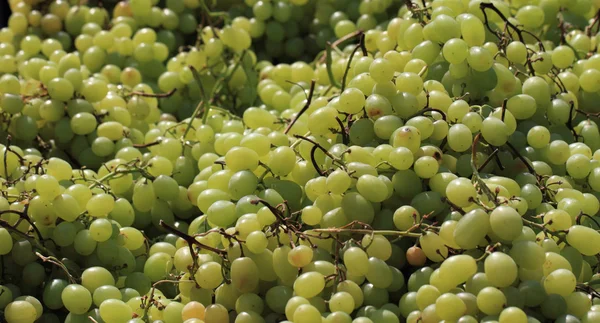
x: 309, y: 284
x: 6, y: 242
x: 500, y: 269
x: 356, y: 260
x: 560, y: 281
x: 449, y: 306
x: 455, y: 51
x: 491, y: 301
x: 372, y: 188
x: 479, y: 58
x: 459, y: 137
x: 433, y: 246
x: 76, y: 299
x: 20, y: 311
x: 506, y: 222
x: 47, y: 187
x: 459, y: 267
x: 583, y: 238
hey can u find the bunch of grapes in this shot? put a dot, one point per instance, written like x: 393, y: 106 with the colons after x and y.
x: 188, y: 161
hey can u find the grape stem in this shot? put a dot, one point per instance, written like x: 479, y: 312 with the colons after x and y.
x: 487, y: 161
x: 581, y: 214
x: 150, y: 299
x: 311, y: 92
x: 191, y: 240
x: 117, y: 172
x: 423, y: 111
x: 343, y: 131
x: 558, y: 82
x: 361, y: 45
x: 341, y: 40
x: 590, y: 27
x: 6, y: 151
x: 153, y: 95
x: 482, y: 185
x: 525, y: 161
x: 491, y: 6
x: 570, y: 121
x: 454, y: 206
x: 328, y: 63
x: 22, y: 217
x: 92, y: 319
x: 406, y: 233
x: 53, y: 260
x: 314, y: 150
x: 150, y: 144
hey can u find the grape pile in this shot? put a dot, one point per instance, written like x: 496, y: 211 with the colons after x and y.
x: 363, y: 161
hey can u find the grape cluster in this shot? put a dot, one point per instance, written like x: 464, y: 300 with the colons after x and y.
x: 302, y: 161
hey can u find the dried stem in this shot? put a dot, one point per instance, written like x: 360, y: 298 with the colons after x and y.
x: 153, y: 95
x: 191, y: 240
x: 304, y: 108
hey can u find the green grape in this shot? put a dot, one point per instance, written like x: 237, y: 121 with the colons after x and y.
x: 506, y: 222
x: 372, y: 188
x: 6, y: 242
x: 461, y: 192
x: 352, y: 100
x: 494, y: 131
x: 20, y: 311
x: 241, y: 158
x: 83, y: 123
x: 11, y: 103
x: 193, y: 310
x: 491, y: 301
x: 583, y: 239
x: 209, y: 275
x: 457, y: 269
x: 94, y: 90
x: 553, y: 306
x: 562, y: 56
x: 561, y: 282
x: 433, y: 246
x: 401, y: 158
x: 426, y: 295
x: 100, y: 205
x: 578, y: 166
x: 406, y: 136
x: 64, y: 234
x: 455, y: 51
x: 101, y: 230
x: 52, y: 293
x: 356, y: 260
x: 282, y: 160
x: 555, y: 261
x: 76, y: 299
x: 244, y: 274
x: 143, y: 196
x: 538, y: 137
x: 500, y: 269
x: 114, y: 310
x: 158, y: 266
x: 527, y: 254
x: 106, y: 292
x: 480, y: 59
x: 426, y: 167
x: 47, y: 187
x: 300, y: 256
x: 459, y: 137
x: 450, y: 307
x: 309, y: 284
